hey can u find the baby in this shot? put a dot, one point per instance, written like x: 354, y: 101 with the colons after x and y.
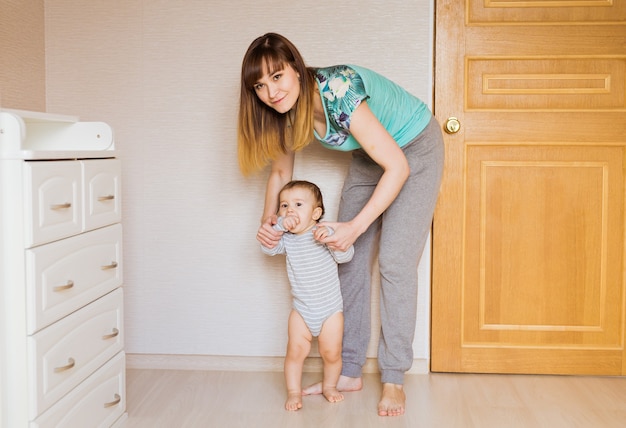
x: 317, y: 309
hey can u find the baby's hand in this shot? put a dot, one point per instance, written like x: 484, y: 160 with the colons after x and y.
x: 322, y: 232
x: 290, y: 222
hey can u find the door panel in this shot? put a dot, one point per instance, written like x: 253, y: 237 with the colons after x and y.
x: 528, y: 236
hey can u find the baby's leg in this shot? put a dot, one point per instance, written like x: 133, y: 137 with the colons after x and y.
x: 329, y: 342
x: 298, y: 348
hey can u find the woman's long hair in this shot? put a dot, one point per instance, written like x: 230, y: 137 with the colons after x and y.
x: 263, y: 133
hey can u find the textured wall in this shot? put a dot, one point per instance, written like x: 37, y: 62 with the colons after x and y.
x: 22, y: 55
x: 165, y: 75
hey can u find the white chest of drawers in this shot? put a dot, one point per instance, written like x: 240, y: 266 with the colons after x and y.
x: 61, y: 300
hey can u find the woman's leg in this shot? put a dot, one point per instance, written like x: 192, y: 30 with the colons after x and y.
x: 355, y: 277
x: 405, y: 228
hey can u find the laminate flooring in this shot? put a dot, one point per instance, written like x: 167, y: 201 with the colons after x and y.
x: 228, y: 399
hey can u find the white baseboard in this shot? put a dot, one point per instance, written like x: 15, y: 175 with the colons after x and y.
x: 233, y: 363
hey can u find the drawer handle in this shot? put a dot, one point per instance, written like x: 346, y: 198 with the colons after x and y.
x: 114, y: 402
x: 67, y: 286
x: 112, y: 335
x: 70, y: 364
x: 60, y: 206
x: 106, y: 198
x: 113, y: 265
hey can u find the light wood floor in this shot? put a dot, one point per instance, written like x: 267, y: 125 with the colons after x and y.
x: 177, y: 399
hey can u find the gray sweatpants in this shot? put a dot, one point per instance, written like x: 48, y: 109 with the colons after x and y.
x: 401, y: 233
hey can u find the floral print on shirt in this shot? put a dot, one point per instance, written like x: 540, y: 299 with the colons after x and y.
x: 342, y: 92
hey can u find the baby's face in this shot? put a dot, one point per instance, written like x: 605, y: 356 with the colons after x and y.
x: 299, y: 203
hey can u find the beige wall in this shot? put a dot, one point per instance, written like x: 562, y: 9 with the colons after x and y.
x: 165, y: 75
x: 22, y: 55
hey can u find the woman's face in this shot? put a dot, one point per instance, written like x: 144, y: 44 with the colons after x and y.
x: 279, y: 90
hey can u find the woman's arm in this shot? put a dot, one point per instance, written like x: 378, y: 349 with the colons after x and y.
x: 384, y: 150
x: 280, y: 174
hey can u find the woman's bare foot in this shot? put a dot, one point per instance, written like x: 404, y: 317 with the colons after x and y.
x: 392, y: 401
x: 345, y: 384
x: 332, y: 395
x: 294, y: 401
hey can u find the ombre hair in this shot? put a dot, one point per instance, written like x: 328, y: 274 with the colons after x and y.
x: 263, y: 134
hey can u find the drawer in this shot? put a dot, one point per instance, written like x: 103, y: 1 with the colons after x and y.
x: 102, y: 184
x: 52, y: 201
x: 64, y: 354
x: 97, y: 402
x: 65, y: 275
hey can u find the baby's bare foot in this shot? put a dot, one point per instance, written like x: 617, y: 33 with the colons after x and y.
x: 392, y: 401
x: 294, y: 401
x: 345, y: 384
x: 332, y: 395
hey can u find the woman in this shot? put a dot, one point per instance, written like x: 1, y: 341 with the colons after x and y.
x: 388, y: 197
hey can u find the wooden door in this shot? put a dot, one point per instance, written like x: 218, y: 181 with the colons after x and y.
x: 528, y: 236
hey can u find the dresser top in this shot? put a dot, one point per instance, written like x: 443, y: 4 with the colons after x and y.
x: 31, y: 135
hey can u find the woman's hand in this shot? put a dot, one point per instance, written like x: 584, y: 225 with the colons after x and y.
x: 344, y: 235
x: 280, y: 174
x: 267, y: 235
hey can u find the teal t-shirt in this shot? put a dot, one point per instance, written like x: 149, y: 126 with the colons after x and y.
x: 344, y: 87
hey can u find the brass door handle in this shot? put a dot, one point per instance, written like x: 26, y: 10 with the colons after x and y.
x: 452, y: 125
